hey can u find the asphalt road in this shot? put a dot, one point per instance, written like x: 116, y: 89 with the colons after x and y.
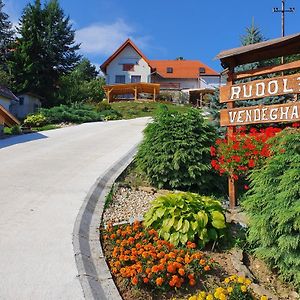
x: 44, y: 180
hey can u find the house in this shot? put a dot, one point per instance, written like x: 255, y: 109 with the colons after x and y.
x: 128, y: 65
x: 8, y: 102
x: 28, y: 103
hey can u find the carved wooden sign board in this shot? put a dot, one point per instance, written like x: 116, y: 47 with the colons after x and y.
x: 276, y: 86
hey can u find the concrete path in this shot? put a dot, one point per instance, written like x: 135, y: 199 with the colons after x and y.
x: 44, y: 180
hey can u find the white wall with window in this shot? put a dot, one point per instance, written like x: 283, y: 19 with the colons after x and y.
x: 128, y: 67
x: 28, y: 104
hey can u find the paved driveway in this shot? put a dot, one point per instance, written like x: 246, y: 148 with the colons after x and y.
x: 44, y: 180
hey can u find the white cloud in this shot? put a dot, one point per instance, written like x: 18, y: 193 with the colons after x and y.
x: 103, y: 39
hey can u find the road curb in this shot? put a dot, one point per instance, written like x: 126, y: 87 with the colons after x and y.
x: 93, y: 272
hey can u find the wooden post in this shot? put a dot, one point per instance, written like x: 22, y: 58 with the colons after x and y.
x: 154, y: 95
x: 230, y: 132
x: 135, y: 94
x: 108, y: 95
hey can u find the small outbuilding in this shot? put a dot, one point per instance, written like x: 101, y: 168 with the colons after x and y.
x: 29, y: 103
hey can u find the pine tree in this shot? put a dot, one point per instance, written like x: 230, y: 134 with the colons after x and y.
x: 6, y: 33
x: 44, y: 51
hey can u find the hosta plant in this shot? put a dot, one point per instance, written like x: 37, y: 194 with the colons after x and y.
x: 182, y: 217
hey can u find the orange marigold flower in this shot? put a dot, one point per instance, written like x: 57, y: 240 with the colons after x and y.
x: 181, y: 271
x: 134, y: 280
x: 145, y: 280
x: 159, y: 281
x: 192, y: 282
x: 191, y: 246
x: 171, y: 268
x: 206, y: 268
x: 155, y: 269
x: 202, y: 262
x: 191, y: 276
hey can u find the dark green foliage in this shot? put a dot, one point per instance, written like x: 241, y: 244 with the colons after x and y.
x: 214, y: 109
x: 6, y: 34
x: 175, y: 152
x: 76, y: 113
x: 81, y: 84
x: 44, y: 50
x: 183, y: 217
x: 273, y: 205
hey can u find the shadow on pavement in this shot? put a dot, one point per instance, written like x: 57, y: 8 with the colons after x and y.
x: 21, y: 139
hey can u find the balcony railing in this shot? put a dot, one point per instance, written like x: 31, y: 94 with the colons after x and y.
x: 169, y: 85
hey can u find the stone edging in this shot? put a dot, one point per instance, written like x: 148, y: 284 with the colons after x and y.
x: 93, y: 272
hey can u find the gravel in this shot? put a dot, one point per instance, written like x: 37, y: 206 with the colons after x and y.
x: 128, y: 205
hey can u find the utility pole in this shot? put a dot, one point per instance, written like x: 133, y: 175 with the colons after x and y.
x: 283, y: 11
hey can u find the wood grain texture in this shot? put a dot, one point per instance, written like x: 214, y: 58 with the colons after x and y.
x: 288, y: 112
x: 256, y: 89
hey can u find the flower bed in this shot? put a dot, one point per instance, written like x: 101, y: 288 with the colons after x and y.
x: 139, y: 256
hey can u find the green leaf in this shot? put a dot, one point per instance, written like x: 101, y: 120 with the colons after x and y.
x: 160, y: 212
x: 202, y: 218
x: 179, y: 225
x: 186, y: 226
x: 218, y: 220
x: 183, y: 238
x: 212, y: 234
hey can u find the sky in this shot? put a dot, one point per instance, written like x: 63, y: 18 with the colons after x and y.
x: 166, y: 29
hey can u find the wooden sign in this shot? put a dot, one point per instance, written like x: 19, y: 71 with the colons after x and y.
x: 276, y: 86
x: 289, y: 112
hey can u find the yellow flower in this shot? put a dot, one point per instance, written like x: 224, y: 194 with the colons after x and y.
x: 217, y: 294
x: 230, y: 289
x: 227, y: 280
x: 219, y: 290
x: 193, y: 298
x: 209, y: 297
x: 222, y: 296
x: 241, y: 280
x: 200, y: 297
x: 243, y: 288
x: 263, y: 298
x: 248, y: 282
x: 202, y: 294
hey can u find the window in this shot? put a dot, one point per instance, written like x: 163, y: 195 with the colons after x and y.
x: 169, y: 70
x: 128, y: 67
x: 136, y: 78
x: 120, y: 79
x: 201, y: 70
x: 21, y: 100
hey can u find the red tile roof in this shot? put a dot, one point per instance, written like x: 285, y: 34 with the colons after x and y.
x: 119, y: 50
x: 181, y: 68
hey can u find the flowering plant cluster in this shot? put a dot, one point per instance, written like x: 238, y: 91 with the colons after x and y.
x: 144, y: 259
x: 242, y: 151
x: 233, y: 288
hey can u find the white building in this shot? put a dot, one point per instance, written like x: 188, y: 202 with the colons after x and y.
x: 8, y: 100
x: 28, y: 104
x: 128, y: 65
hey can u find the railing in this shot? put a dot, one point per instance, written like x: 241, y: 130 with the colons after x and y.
x: 169, y: 85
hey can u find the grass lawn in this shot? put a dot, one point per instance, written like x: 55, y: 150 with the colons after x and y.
x: 131, y: 110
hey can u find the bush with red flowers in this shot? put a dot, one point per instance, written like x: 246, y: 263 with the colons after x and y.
x: 243, y: 151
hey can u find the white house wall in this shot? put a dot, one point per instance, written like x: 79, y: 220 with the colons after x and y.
x: 128, y: 56
x: 204, y: 82
x: 5, y: 102
x: 29, y: 106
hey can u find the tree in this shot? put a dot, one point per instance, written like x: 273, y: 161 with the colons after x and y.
x: 6, y: 33
x: 44, y: 51
x: 81, y: 84
x: 253, y: 35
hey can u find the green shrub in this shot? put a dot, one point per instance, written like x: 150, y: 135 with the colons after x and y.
x: 35, y: 120
x: 273, y: 205
x: 76, y: 113
x: 182, y: 217
x: 102, y: 106
x: 16, y: 130
x: 175, y: 152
